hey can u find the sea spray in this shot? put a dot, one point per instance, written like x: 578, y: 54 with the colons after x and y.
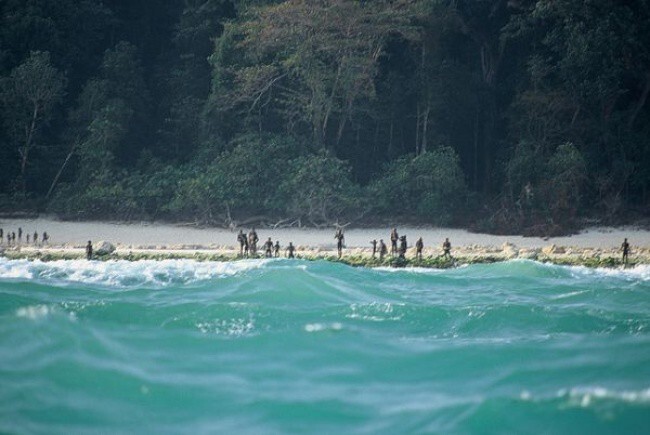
x: 276, y: 346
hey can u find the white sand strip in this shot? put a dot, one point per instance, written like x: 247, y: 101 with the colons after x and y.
x: 167, y: 235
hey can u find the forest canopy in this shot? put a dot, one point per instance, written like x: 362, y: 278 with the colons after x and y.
x: 500, y: 115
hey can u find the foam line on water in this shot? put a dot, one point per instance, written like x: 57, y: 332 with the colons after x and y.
x: 121, y: 273
x: 640, y: 271
x: 586, y: 396
x: 422, y: 270
x: 34, y: 312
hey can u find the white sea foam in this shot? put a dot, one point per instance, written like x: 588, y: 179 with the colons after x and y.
x: 34, y: 312
x: 15, y: 269
x: 423, y: 270
x: 228, y: 327
x: 638, y: 272
x: 569, y: 294
x: 157, y: 273
x: 375, y: 312
x: 319, y: 327
x: 585, y: 396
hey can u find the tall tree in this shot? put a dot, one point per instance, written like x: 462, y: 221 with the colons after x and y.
x: 305, y: 65
x: 29, y: 94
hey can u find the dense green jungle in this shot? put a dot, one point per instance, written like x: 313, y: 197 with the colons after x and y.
x: 505, y: 116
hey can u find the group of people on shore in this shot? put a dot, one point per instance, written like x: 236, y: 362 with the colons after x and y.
x: 399, y: 245
x: 248, y: 246
x: 15, y: 238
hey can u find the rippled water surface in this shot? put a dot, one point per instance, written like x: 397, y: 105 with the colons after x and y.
x: 278, y: 346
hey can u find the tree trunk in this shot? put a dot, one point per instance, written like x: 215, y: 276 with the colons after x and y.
x: 24, y: 153
x: 489, y: 126
x: 417, y: 130
x: 390, y: 136
x: 58, y: 174
x: 425, y: 126
x: 574, y: 118
x: 640, y: 103
x: 476, y: 136
x: 374, y: 143
x: 330, y: 103
x: 344, y: 119
x: 339, y: 133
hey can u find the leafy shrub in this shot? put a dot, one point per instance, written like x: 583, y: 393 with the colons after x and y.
x: 543, y: 191
x: 244, y: 180
x: 430, y: 186
x: 318, y: 187
x: 567, y: 173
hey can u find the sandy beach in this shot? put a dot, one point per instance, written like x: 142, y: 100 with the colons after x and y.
x: 166, y: 236
x: 151, y: 238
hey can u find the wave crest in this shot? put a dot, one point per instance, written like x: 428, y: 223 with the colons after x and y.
x: 124, y: 274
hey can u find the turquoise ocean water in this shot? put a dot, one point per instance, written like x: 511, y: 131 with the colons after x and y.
x: 279, y: 346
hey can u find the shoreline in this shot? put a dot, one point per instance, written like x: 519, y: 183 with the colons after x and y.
x: 357, y: 257
x: 593, y: 247
x: 168, y: 236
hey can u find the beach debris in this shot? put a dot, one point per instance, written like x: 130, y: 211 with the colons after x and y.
x: 529, y: 254
x: 510, y: 250
x: 553, y: 249
x: 103, y: 247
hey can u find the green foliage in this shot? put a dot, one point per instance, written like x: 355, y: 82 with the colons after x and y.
x: 266, y: 177
x: 245, y: 179
x: 216, y: 110
x: 28, y: 97
x: 430, y: 186
x: 567, y: 176
x: 543, y: 188
x: 318, y: 188
x: 292, y: 64
x: 107, y: 120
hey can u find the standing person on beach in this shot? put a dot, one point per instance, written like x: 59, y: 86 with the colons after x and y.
x: 276, y: 248
x: 89, y: 250
x: 2, y: 236
x: 339, y: 241
x: 241, y: 238
x: 269, y: 248
x: 625, y: 247
x: 383, y: 250
x: 27, y: 238
x: 13, y: 238
x: 290, y: 250
x: 446, y: 249
x: 45, y: 237
x: 35, y: 238
x: 418, y: 248
x: 20, y: 234
x: 402, y: 247
x: 374, y: 247
x: 252, y: 241
x: 393, y: 241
